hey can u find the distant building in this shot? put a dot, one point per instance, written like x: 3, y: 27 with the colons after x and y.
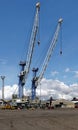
x: 1, y: 102
x: 62, y: 103
x: 75, y: 101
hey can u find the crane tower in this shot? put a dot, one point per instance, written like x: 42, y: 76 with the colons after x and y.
x: 36, y: 80
x: 25, y: 66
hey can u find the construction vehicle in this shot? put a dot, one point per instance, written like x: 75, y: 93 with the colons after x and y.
x: 36, y: 80
x: 7, y: 106
x: 25, y: 66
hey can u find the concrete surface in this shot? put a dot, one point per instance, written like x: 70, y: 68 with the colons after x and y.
x: 57, y: 119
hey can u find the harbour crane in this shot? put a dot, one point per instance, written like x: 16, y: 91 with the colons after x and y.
x: 36, y: 80
x: 25, y: 65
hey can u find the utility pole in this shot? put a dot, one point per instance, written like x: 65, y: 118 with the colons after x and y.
x: 3, y: 77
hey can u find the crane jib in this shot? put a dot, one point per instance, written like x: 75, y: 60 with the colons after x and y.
x: 50, y: 51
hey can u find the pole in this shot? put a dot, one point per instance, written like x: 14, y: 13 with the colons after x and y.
x: 40, y: 91
x: 3, y: 77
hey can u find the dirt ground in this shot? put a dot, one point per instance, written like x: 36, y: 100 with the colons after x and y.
x: 57, y: 119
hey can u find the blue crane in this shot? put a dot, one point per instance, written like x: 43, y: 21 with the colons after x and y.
x: 25, y: 65
x: 36, y: 80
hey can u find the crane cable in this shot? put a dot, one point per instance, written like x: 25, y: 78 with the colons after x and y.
x: 61, y: 41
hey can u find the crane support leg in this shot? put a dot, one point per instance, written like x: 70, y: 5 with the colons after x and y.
x: 21, y: 79
x: 33, y: 90
x: 35, y: 78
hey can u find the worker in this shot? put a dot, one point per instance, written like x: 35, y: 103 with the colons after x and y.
x: 51, y: 101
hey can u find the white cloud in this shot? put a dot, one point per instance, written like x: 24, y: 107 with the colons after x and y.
x: 76, y: 74
x: 64, y: 76
x: 46, y: 89
x: 72, y: 71
x: 67, y: 70
x: 8, y: 91
x: 53, y: 73
x: 3, y: 61
x: 54, y: 88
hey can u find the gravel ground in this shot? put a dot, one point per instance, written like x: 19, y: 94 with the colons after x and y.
x: 57, y: 119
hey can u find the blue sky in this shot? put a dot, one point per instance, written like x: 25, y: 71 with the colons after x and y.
x: 16, y: 20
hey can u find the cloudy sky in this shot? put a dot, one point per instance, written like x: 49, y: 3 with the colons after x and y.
x: 16, y: 19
